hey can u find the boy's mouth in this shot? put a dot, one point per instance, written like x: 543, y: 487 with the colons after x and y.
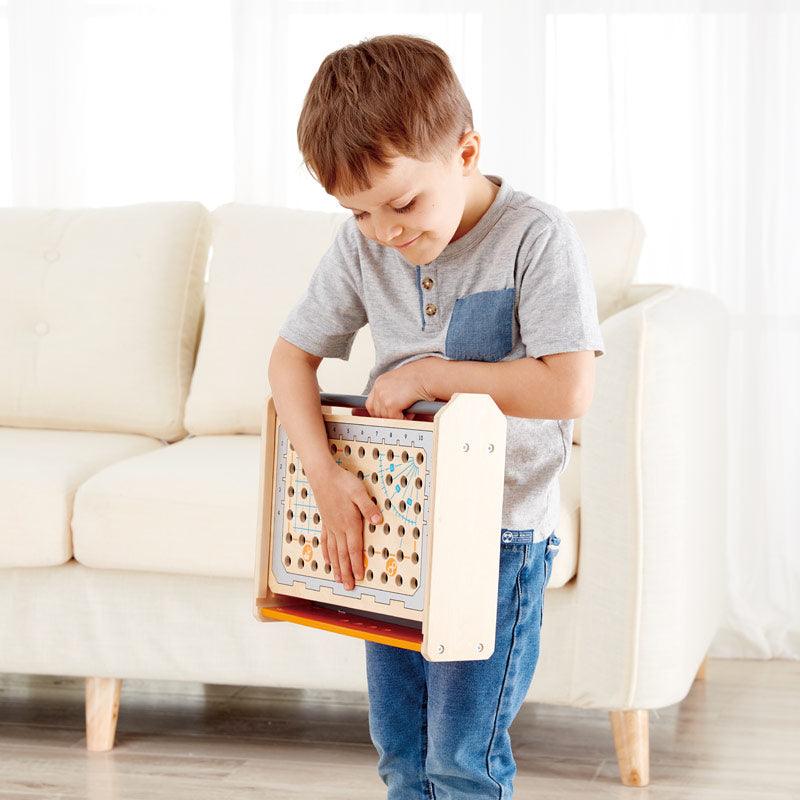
x: 410, y: 241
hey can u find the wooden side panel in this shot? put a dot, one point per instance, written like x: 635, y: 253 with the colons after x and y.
x: 469, y: 471
x: 264, y: 597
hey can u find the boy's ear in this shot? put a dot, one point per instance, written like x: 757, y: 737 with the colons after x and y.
x: 469, y: 148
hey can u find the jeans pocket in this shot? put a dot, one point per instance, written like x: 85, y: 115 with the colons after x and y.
x: 481, y: 326
x: 551, y: 551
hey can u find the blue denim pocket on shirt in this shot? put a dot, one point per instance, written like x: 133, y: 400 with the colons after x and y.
x: 481, y: 326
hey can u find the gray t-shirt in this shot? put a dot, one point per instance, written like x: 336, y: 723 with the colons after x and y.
x: 516, y: 285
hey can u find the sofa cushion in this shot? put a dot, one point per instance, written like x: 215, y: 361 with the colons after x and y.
x: 99, y: 316
x: 262, y: 260
x: 39, y: 473
x: 565, y: 564
x: 192, y: 508
x: 612, y: 239
x: 189, y: 508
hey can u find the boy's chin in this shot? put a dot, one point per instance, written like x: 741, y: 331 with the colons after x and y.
x: 423, y: 256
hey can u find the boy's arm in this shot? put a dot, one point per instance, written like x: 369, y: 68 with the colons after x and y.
x: 323, y: 323
x: 557, y: 386
x: 558, y: 324
x: 295, y: 391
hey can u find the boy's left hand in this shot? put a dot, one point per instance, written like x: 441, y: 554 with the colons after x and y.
x: 400, y: 388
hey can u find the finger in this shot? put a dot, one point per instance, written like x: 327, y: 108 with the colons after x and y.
x: 344, y: 562
x: 323, y: 539
x: 369, y: 510
x: 355, y: 546
x: 333, y: 554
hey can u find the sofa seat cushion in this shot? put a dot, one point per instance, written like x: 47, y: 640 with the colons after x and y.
x: 191, y: 508
x: 188, y: 508
x: 40, y: 470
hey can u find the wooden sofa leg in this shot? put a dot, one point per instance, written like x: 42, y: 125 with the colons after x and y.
x: 102, y: 710
x: 632, y: 743
x: 701, y: 672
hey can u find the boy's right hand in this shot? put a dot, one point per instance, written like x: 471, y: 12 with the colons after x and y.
x: 344, y: 504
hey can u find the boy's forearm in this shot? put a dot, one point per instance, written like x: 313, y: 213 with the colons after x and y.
x: 523, y: 387
x: 295, y: 392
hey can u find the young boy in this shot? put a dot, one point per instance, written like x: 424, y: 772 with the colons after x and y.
x: 468, y: 285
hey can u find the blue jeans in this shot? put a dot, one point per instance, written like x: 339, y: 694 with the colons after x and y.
x: 441, y: 728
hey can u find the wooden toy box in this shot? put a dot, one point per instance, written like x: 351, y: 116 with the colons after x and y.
x: 431, y: 567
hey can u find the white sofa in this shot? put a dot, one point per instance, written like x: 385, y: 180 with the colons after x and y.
x: 132, y: 390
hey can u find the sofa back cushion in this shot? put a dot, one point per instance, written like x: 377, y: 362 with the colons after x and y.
x: 613, y: 240
x: 263, y: 257
x: 99, y: 316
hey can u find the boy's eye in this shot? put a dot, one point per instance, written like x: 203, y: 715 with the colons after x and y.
x: 402, y: 210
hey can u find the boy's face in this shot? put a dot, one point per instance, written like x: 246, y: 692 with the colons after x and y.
x: 416, y: 203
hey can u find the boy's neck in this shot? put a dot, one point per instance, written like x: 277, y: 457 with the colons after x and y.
x: 480, y: 195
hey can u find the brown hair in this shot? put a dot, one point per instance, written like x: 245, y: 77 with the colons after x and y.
x: 385, y: 96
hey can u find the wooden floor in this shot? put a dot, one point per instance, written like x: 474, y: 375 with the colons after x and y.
x: 735, y: 737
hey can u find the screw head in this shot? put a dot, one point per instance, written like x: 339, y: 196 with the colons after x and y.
x: 480, y: 647
x: 440, y: 649
x: 465, y: 447
x: 491, y: 448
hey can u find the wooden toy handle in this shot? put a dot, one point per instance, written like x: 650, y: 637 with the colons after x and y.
x: 358, y: 401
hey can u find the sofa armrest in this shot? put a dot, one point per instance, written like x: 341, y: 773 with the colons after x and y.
x: 653, y: 497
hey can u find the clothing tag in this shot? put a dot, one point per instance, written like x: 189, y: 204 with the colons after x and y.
x: 508, y: 536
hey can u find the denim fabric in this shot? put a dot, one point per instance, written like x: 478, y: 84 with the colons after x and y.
x: 481, y: 326
x: 441, y: 728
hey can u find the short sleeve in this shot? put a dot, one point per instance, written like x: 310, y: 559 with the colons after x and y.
x: 329, y: 314
x: 557, y: 305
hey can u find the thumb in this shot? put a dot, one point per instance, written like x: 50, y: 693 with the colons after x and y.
x: 369, y: 510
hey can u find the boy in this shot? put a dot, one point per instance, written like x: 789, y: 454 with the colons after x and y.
x: 468, y: 286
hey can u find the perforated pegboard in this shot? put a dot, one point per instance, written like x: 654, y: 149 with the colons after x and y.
x: 394, y: 464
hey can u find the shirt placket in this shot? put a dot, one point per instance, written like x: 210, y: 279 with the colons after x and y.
x: 429, y: 287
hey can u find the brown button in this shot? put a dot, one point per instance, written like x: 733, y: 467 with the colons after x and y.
x: 430, y: 309
x: 427, y: 283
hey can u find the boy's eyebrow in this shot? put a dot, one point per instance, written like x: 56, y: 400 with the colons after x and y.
x: 386, y: 203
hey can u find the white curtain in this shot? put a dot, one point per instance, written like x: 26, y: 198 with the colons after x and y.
x: 686, y: 112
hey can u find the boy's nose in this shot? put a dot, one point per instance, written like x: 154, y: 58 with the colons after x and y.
x: 390, y: 237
